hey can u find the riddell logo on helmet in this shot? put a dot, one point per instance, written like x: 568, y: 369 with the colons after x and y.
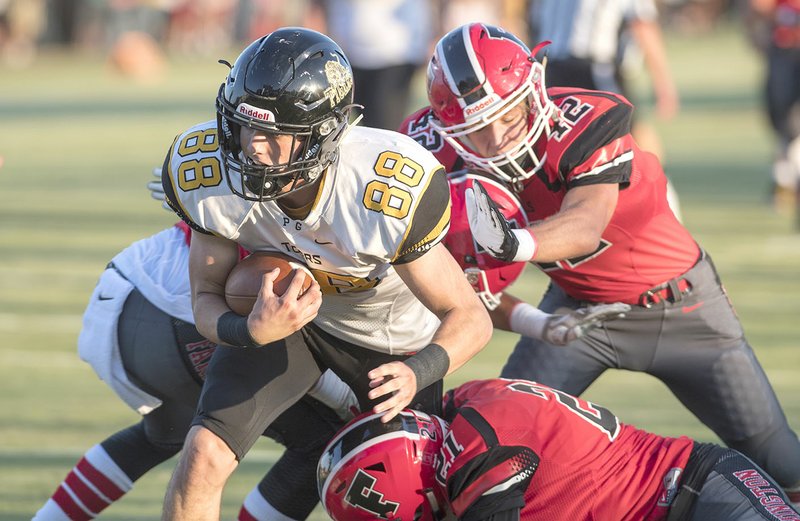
x: 255, y: 112
x: 469, y: 110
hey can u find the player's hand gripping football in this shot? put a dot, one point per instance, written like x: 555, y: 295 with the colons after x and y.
x: 277, y: 316
x: 561, y: 329
x: 492, y: 231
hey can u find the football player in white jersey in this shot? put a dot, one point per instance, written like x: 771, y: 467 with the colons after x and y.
x: 139, y: 336
x: 366, y: 209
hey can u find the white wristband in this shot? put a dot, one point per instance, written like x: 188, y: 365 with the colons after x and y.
x: 528, y: 320
x: 527, y: 245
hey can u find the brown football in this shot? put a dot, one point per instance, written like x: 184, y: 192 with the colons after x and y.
x: 244, y: 280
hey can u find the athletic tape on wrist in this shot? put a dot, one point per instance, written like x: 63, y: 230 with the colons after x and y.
x: 232, y: 330
x: 429, y: 365
x: 527, y: 245
x: 528, y: 320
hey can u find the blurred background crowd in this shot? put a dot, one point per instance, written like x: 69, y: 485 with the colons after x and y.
x: 205, y: 25
x: 389, y: 41
x: 202, y: 25
x: 150, y: 28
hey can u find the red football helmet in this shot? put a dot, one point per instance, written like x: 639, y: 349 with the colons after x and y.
x: 477, y: 74
x: 487, y: 275
x: 372, y: 470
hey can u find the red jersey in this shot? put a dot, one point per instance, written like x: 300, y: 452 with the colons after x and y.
x: 516, y: 443
x: 644, y: 244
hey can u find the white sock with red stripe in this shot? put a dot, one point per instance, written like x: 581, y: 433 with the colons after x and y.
x: 92, y: 485
x: 257, y: 508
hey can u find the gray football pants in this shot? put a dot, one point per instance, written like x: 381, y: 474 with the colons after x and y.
x: 696, y: 346
x: 152, y: 348
x: 725, y: 485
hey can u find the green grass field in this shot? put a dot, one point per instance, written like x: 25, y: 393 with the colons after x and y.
x: 79, y: 143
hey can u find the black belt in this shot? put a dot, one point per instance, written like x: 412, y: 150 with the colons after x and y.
x: 670, y: 291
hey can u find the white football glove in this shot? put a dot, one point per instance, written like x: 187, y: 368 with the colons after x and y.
x: 157, y: 190
x: 562, y: 329
x: 492, y: 231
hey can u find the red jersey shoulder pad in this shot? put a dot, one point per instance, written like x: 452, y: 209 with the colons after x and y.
x: 594, y: 126
x: 415, y: 120
x: 418, y: 127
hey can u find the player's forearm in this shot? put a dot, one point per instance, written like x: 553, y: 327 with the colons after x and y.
x: 464, y: 331
x: 207, y: 309
x: 566, y: 236
x: 517, y: 316
x: 502, y: 313
x: 577, y: 228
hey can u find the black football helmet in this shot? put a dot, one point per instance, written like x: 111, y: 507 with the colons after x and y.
x: 293, y: 81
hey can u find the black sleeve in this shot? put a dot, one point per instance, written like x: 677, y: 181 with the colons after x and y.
x: 431, y: 219
x: 172, y: 199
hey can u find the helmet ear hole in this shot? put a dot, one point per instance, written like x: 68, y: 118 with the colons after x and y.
x: 328, y: 126
x: 378, y: 467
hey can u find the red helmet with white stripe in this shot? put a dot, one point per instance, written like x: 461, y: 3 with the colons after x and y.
x: 372, y: 470
x: 477, y: 74
x: 487, y: 275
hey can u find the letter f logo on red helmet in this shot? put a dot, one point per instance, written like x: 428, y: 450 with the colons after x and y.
x: 363, y: 495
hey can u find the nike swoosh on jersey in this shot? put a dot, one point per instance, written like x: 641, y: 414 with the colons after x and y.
x: 689, y: 309
x: 103, y: 297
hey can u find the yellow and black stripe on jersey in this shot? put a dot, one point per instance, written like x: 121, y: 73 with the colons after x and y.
x: 430, y: 220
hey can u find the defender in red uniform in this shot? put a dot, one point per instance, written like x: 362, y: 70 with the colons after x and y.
x: 489, y: 277
x: 602, y: 230
x: 519, y: 450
